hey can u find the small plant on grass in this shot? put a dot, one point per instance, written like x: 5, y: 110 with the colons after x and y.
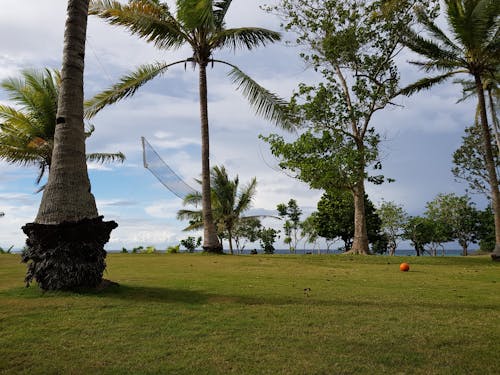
x: 173, y: 249
x: 191, y: 243
x: 6, y: 251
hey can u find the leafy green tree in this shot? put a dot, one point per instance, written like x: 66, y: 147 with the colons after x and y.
x: 191, y: 243
x: 309, y: 230
x: 199, y: 24
x: 458, y: 214
x: 353, y: 46
x: 291, y: 213
x: 27, y: 130
x: 65, y: 245
x: 486, y: 232
x: 424, y: 231
x: 229, y: 203
x: 469, y: 164
x: 335, y: 218
x: 393, y: 219
x: 267, y: 237
x: 246, y: 231
x: 471, y: 49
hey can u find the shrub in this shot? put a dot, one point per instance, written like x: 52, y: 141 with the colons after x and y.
x: 173, y: 249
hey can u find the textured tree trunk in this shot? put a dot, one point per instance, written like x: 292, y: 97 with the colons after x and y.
x: 490, y: 166
x: 210, y: 240
x: 65, y: 244
x: 360, y: 242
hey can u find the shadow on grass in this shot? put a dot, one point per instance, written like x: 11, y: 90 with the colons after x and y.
x: 156, y: 294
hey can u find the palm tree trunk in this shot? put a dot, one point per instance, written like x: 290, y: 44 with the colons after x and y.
x: 210, y: 240
x: 494, y: 119
x: 65, y: 245
x: 490, y: 165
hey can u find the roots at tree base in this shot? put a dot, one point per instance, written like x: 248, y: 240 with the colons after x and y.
x: 213, y: 250
x: 66, y: 256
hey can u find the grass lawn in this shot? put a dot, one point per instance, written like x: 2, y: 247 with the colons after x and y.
x: 200, y: 314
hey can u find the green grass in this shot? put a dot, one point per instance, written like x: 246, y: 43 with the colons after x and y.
x: 199, y: 314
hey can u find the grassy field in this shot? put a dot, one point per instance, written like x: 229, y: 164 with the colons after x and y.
x: 200, y: 314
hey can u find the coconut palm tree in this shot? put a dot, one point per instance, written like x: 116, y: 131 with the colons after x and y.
x: 200, y: 24
x: 65, y: 245
x: 228, y: 204
x: 27, y: 131
x: 473, y: 48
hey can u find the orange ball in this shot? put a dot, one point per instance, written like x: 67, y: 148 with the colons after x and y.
x: 405, y: 267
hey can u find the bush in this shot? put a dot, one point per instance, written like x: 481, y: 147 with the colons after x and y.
x: 191, y: 243
x: 173, y: 249
x: 149, y: 250
x: 136, y: 250
x: 124, y: 251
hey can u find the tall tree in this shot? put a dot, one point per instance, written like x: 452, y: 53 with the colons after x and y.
x: 200, y: 24
x: 459, y: 216
x: 393, y: 219
x: 229, y: 203
x: 473, y: 48
x: 291, y: 212
x: 27, y: 130
x: 65, y: 245
x: 352, y: 44
x: 335, y: 218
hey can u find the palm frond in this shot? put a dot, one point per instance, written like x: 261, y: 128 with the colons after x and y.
x: 244, y: 37
x: 196, y: 14
x: 435, y: 54
x: 127, y: 87
x: 435, y: 31
x: 103, y: 158
x: 220, y: 9
x: 150, y: 20
x: 246, y: 196
x: 425, y: 83
x: 265, y: 103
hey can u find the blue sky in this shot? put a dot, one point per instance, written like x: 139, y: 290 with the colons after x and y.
x: 419, y: 138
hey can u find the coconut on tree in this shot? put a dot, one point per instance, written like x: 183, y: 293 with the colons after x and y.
x: 199, y: 24
x: 471, y: 48
x: 27, y: 130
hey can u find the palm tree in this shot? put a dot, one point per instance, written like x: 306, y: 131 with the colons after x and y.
x: 228, y: 204
x: 65, y: 245
x: 27, y: 132
x: 473, y: 49
x: 200, y: 24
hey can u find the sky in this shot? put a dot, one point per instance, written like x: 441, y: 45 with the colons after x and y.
x: 419, y: 136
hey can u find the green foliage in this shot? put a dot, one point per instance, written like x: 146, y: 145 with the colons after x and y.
x: 291, y: 213
x: 335, y: 218
x: 423, y: 231
x: 393, y: 219
x: 458, y: 215
x: 124, y: 250
x: 486, y: 232
x: 191, y: 243
x: 149, y: 250
x: 469, y: 161
x: 137, y: 249
x: 229, y: 202
x: 267, y: 237
x: 27, y: 129
x: 173, y: 249
x: 246, y: 231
